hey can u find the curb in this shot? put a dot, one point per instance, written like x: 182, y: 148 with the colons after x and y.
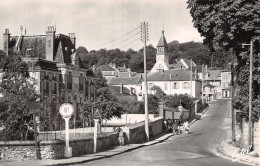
x: 156, y: 141
x: 194, y: 120
x: 222, y: 154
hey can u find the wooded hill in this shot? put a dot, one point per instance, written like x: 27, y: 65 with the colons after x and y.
x: 196, y: 51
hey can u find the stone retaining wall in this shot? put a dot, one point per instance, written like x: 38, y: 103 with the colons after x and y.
x: 53, y: 149
x: 136, y: 133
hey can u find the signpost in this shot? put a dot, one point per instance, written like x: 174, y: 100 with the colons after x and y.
x: 66, y: 110
x: 96, y: 117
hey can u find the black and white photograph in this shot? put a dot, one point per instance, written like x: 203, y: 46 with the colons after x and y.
x: 130, y: 82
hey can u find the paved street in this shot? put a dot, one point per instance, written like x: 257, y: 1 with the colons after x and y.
x: 193, y: 149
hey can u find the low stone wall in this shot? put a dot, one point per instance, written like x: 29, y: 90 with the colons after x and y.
x: 17, y: 150
x: 136, y: 133
x: 53, y: 149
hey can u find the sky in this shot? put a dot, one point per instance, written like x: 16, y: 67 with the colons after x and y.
x: 101, y: 23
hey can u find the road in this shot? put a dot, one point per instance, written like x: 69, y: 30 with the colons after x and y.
x: 193, y: 149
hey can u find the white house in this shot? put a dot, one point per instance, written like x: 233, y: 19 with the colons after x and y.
x: 212, y: 77
x: 225, y: 83
x: 132, y: 84
x: 178, y: 81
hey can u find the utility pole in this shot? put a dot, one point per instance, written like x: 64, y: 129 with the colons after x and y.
x: 231, y: 106
x: 144, y: 38
x: 250, y: 93
x: 202, y: 97
x: 191, y: 78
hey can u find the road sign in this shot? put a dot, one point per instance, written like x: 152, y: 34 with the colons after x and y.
x: 66, y: 110
x: 97, y: 114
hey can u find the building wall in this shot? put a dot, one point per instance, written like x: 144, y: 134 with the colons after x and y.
x: 225, y: 84
x: 168, y: 87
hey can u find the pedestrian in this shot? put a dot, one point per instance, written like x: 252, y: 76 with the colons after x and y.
x: 175, y: 127
x: 165, y: 125
x: 186, y: 127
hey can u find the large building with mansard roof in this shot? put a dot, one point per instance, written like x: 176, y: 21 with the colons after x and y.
x: 54, y: 63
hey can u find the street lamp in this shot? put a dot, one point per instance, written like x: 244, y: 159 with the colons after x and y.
x: 250, y: 92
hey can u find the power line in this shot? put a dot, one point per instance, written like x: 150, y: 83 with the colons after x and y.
x: 119, y: 43
x: 132, y: 41
x: 122, y: 10
x: 118, y: 37
x: 134, y: 45
x: 131, y: 9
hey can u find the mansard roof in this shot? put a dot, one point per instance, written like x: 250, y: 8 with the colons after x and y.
x: 63, y: 46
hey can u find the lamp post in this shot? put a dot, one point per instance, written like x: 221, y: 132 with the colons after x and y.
x: 250, y: 93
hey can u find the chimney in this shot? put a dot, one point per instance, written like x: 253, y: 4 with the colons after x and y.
x: 6, y: 41
x: 73, y: 39
x: 121, y: 88
x: 50, y: 36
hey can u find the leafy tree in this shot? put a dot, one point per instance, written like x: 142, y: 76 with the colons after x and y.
x: 130, y: 106
x: 153, y: 103
x: 173, y: 101
x: 158, y: 92
x: 2, y: 58
x: 226, y: 25
x: 105, y: 100
x: 17, y: 92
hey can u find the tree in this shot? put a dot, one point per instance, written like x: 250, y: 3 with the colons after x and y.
x: 173, y: 101
x: 105, y: 101
x: 17, y: 92
x: 159, y: 93
x: 2, y: 59
x: 153, y: 103
x: 226, y: 25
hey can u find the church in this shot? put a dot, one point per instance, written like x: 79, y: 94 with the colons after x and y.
x: 162, y: 59
x: 55, y: 66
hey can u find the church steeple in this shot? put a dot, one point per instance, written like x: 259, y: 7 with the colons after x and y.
x: 162, y: 47
x: 162, y: 57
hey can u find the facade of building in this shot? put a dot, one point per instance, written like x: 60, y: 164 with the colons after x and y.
x: 162, y: 59
x: 212, y: 81
x: 162, y: 56
x: 130, y: 85
x: 110, y: 71
x: 54, y: 65
x: 225, y: 83
x: 174, y: 82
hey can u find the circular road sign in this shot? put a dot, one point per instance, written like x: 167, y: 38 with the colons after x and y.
x: 66, y: 110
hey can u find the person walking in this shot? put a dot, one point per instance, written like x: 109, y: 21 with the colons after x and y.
x: 186, y: 127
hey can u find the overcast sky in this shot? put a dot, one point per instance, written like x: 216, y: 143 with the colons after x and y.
x: 101, y: 23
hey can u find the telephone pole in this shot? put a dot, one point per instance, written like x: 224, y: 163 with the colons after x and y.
x: 191, y: 78
x: 250, y: 92
x: 202, y: 97
x: 144, y: 38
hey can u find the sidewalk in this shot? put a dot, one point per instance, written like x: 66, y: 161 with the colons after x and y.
x: 228, y: 150
x: 89, y: 157
x: 95, y: 156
